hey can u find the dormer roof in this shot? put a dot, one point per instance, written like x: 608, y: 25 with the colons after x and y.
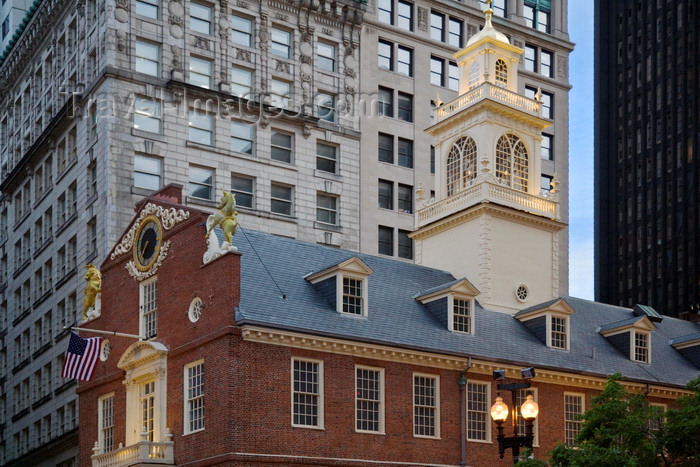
x: 637, y: 323
x: 689, y: 347
x: 557, y: 305
x: 354, y: 266
x: 459, y: 287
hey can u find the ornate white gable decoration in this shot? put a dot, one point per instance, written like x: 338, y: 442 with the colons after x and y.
x: 168, y: 219
x: 141, y: 275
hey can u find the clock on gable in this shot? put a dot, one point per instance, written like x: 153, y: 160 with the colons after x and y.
x: 147, y: 243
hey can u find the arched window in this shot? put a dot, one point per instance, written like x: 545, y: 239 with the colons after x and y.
x: 511, y: 161
x: 461, y: 164
x: 501, y: 73
x: 473, y: 74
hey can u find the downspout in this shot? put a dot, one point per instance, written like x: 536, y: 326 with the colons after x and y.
x: 463, y: 412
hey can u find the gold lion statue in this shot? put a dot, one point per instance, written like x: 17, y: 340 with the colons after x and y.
x: 92, y: 288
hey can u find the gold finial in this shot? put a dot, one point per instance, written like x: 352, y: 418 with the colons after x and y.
x: 438, y: 101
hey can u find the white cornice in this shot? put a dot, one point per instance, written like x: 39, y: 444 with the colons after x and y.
x: 298, y: 340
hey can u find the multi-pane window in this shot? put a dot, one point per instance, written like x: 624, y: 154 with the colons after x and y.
x: 405, y: 107
x: 405, y: 198
x: 537, y: 14
x: 281, y: 147
x: 147, y: 115
x: 148, y: 8
x: 194, y: 397
x: 147, y: 403
x: 455, y: 32
x: 461, y: 164
x: 452, y: 76
x: 641, y: 347
x: 546, y: 182
x: 478, y: 423
x: 543, y: 65
x: 201, y: 183
x: 149, y: 309
x: 426, y: 418
x: 462, y: 315
x: 353, y: 301
x: 281, y: 43
x: 520, y: 397
x: 241, y: 31
x: 405, y: 15
x: 147, y: 172
x: 369, y: 398
x: 385, y: 11
x: 147, y: 57
x: 281, y: 199
x: 385, y: 55
x: 325, y: 107
x: 385, y: 240
x: 512, y: 162
x: 326, y: 208
x: 106, y: 420
x: 242, y: 137
x: 405, y: 150
x: 558, y: 332
x: 201, y: 128
x: 92, y: 236
x: 385, y: 148
x: 573, y: 409
x: 242, y: 82
x: 547, y: 147
x: 530, y: 58
x: 386, y: 194
x: 437, y: 26
x: 200, y: 72
x: 546, y: 59
x: 243, y: 188
x: 546, y: 99
x: 501, y: 73
x: 437, y: 66
x: 307, y: 393
x: 326, y: 157
x: 280, y: 92
x: 200, y: 18
x: 385, y: 102
x: 404, y: 60
x: 405, y: 245
x: 325, y: 57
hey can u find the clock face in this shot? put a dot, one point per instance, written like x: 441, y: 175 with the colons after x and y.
x: 147, y: 244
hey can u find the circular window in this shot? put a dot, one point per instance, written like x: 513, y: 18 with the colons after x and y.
x: 521, y: 293
x: 105, y: 349
x: 195, y: 311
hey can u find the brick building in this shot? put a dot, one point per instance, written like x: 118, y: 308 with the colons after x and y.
x: 302, y: 354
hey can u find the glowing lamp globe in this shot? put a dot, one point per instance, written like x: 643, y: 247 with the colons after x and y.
x: 499, y: 410
x: 529, y: 409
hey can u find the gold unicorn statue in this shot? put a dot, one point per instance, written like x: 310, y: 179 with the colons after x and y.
x: 225, y: 217
x: 92, y: 288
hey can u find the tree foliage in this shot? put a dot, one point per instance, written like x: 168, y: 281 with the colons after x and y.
x: 623, y: 429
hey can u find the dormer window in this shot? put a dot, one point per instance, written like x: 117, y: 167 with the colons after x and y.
x: 344, y: 285
x: 631, y: 337
x: 641, y: 347
x: 462, y: 315
x: 549, y: 323
x: 453, y: 304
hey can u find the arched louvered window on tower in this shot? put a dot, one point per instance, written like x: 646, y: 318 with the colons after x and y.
x: 512, y: 162
x: 473, y: 74
x: 501, y: 73
x: 461, y: 164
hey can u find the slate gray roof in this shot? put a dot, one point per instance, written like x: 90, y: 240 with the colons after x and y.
x: 396, y: 318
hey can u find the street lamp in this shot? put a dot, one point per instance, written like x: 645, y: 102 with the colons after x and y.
x: 528, y: 410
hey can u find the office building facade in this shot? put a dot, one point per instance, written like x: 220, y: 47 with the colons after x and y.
x: 646, y: 133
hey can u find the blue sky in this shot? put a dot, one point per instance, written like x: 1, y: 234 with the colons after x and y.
x: 581, y: 150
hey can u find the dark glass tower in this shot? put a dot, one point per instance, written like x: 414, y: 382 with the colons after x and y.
x: 647, y: 152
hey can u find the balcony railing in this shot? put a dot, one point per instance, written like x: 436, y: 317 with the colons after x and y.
x: 143, y: 452
x: 488, y: 191
x: 488, y: 91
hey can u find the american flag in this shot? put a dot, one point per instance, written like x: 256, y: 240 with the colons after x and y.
x: 81, y: 357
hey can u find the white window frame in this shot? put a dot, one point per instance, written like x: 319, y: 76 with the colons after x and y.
x: 188, y: 401
x: 197, y: 126
x: 211, y: 186
x: 577, y: 423
x: 283, y: 45
x: 451, y: 310
x: 340, y: 278
x: 332, y: 211
x: 201, y: 75
x: 148, y: 174
x: 521, y: 420
x: 318, y: 395
x: 150, y: 112
x: 326, y: 56
x: 325, y: 158
x: 200, y: 20
x: 248, y: 34
x: 436, y: 378
x: 289, y: 201
x: 238, y: 191
x: 380, y: 402
x: 633, y: 346
x: 142, y: 311
x: 486, y: 412
x: 287, y: 149
x: 237, y: 137
x: 550, y: 343
x: 240, y: 88
x: 101, y: 421
x: 148, y: 4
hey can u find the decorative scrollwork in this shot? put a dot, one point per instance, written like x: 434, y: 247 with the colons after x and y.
x: 168, y: 219
x: 141, y: 275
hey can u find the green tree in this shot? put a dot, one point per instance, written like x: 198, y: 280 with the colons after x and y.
x: 622, y: 429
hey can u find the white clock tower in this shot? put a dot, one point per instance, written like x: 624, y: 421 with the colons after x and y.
x: 490, y: 221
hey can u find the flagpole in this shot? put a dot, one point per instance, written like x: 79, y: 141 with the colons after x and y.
x: 111, y: 333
